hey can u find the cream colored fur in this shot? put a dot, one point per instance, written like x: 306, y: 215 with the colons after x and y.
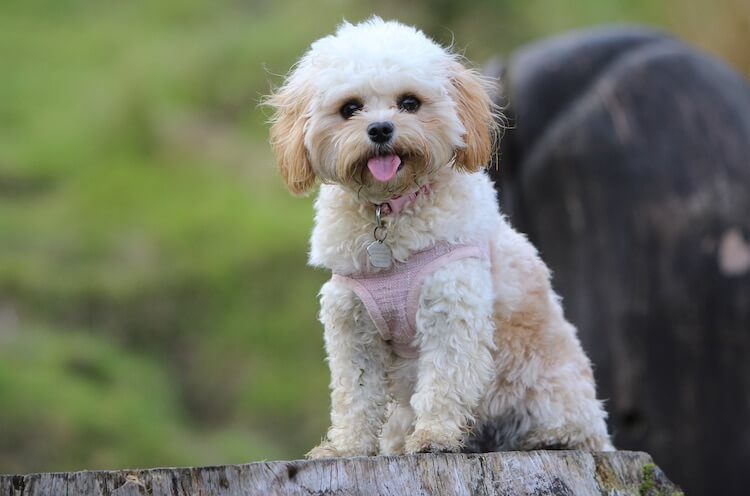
x: 498, y: 363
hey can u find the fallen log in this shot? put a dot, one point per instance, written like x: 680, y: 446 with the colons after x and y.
x: 569, y: 473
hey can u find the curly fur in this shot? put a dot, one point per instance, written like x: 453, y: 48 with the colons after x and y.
x: 499, y: 367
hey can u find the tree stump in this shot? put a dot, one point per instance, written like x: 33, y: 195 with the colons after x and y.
x: 537, y: 473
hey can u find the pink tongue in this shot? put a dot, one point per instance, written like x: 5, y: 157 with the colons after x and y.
x: 384, y: 168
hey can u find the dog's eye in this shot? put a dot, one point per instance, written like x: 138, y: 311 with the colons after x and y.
x: 409, y: 103
x: 350, y: 108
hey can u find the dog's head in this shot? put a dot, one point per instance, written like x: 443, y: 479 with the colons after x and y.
x: 378, y: 108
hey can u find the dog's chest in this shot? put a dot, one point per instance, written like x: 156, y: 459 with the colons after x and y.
x: 391, y: 297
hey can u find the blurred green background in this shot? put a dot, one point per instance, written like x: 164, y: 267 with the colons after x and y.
x: 155, y: 306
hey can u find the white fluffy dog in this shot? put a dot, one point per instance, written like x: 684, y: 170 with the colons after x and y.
x: 441, y: 327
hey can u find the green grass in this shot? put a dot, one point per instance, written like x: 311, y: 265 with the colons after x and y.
x: 103, y: 406
x: 155, y: 307
x: 138, y: 200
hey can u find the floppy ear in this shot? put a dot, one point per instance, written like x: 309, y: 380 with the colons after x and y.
x: 476, y: 112
x: 290, y: 103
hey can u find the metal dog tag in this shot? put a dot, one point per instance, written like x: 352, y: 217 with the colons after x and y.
x: 380, y: 255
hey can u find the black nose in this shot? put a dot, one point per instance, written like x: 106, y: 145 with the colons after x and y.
x: 380, y: 132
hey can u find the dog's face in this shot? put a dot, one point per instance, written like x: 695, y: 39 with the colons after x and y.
x: 378, y: 108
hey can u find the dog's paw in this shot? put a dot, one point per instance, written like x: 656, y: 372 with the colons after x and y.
x: 422, y: 441
x: 392, y: 447
x: 323, y: 450
x: 326, y: 449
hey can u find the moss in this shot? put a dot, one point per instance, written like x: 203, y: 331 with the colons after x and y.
x: 648, y: 482
x: 653, y: 483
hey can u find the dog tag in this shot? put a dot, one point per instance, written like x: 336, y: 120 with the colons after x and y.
x: 380, y: 255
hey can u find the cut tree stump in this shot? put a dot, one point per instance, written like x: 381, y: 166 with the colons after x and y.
x: 569, y: 473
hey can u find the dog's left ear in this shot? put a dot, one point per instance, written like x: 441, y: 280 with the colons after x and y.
x: 476, y: 111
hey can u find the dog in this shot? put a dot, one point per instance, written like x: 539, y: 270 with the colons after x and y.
x: 442, y: 330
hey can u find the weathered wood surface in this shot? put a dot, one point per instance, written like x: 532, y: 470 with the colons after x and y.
x: 627, y: 163
x: 568, y: 473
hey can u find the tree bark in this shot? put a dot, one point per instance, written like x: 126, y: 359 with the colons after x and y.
x: 571, y: 473
x: 627, y: 165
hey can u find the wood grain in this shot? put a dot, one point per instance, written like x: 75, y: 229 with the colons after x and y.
x: 576, y: 473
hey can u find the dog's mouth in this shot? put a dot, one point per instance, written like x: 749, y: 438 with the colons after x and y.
x: 385, y: 167
x: 381, y: 173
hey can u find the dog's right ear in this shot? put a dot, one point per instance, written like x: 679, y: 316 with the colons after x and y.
x: 290, y: 104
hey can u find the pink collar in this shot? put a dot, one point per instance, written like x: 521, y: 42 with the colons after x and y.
x: 396, y: 204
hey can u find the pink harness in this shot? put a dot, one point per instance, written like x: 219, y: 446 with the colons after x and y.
x: 391, y: 297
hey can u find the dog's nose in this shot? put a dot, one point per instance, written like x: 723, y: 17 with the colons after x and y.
x: 380, y: 132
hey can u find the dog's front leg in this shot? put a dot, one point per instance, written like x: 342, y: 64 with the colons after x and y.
x: 357, y: 358
x: 454, y: 330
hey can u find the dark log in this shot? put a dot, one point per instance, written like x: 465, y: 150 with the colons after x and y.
x: 562, y: 473
x: 628, y: 165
